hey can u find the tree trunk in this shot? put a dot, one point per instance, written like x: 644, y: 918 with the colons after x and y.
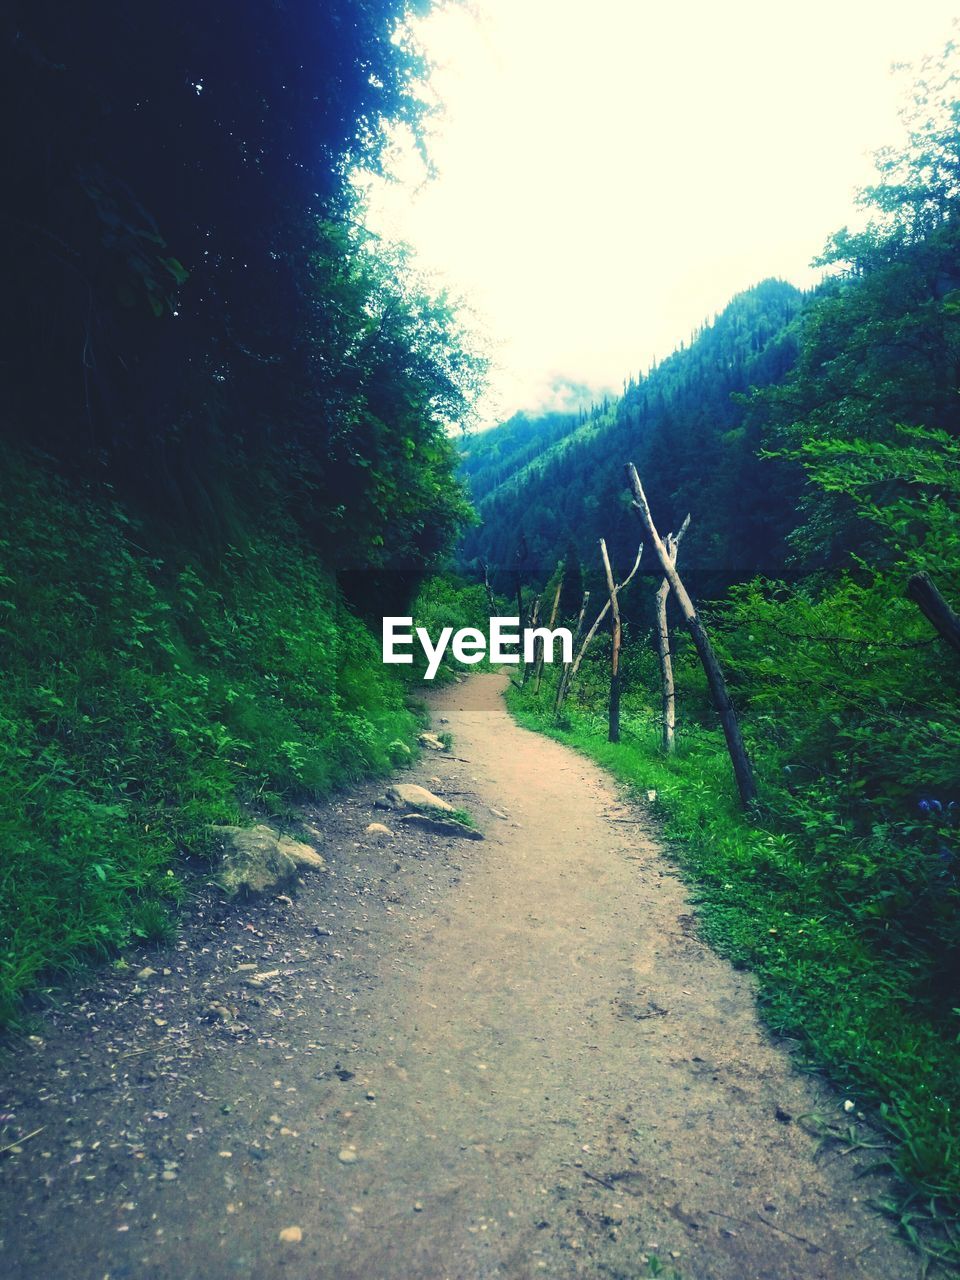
x: 924, y: 594
x: 593, y: 630
x: 614, y: 720
x: 534, y: 615
x: 669, y: 697
x: 490, y: 596
x: 541, y: 648
x: 742, y: 768
x: 567, y: 666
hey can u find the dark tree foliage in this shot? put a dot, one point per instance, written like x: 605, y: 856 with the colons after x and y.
x: 188, y: 307
x: 164, y: 162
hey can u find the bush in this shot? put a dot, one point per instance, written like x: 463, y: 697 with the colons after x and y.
x: 143, y: 699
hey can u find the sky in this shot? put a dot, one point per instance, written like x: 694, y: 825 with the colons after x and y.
x: 609, y: 174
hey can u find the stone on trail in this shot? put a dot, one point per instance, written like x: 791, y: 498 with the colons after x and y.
x: 431, y: 742
x: 258, y: 859
x: 408, y: 795
x: 291, y: 1235
x: 302, y: 854
x: 377, y: 829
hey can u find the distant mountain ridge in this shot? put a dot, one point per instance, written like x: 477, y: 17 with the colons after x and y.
x: 556, y: 479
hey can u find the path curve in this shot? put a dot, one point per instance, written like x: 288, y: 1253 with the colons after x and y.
x: 507, y: 1059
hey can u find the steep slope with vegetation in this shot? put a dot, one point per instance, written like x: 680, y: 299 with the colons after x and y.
x: 558, y: 480
x: 225, y: 444
x: 842, y: 890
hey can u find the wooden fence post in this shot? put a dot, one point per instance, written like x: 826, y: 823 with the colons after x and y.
x: 565, y: 673
x: 742, y: 768
x: 668, y: 690
x: 534, y: 615
x: 614, y: 718
x: 575, y: 667
x: 541, y: 647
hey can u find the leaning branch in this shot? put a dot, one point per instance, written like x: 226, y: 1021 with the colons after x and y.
x: 668, y: 689
x: 923, y: 593
x: 742, y: 768
x: 593, y: 631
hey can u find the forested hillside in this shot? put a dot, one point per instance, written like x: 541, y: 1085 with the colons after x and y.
x: 558, y: 480
x: 816, y: 445
x: 224, y: 443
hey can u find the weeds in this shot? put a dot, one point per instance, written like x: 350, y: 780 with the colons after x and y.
x: 144, y: 698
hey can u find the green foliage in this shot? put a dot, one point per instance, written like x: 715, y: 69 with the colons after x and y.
x: 446, y: 600
x: 844, y: 894
x: 144, y: 698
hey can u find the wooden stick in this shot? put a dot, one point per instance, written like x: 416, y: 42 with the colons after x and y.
x: 19, y: 1141
x: 742, y: 768
x: 564, y: 680
x: 668, y: 690
x: 613, y: 732
x: 599, y: 618
x: 541, y: 646
x: 923, y: 593
x: 534, y: 615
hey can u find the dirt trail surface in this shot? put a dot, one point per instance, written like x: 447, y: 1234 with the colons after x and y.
x: 504, y: 1059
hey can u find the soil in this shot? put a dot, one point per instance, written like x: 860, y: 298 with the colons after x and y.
x: 501, y: 1059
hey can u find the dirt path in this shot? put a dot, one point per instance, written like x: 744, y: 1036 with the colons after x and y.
x: 506, y: 1059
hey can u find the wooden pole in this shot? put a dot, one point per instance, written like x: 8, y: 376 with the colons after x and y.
x: 923, y: 593
x: 614, y: 718
x: 668, y: 690
x: 553, y: 617
x: 534, y: 615
x: 743, y: 770
x: 565, y: 673
x: 593, y: 630
x: 490, y: 596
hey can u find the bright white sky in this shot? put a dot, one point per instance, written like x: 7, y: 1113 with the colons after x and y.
x: 611, y: 172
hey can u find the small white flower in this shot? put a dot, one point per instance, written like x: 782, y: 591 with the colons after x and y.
x: 849, y: 1106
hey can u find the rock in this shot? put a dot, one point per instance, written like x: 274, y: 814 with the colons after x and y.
x: 347, y: 1156
x: 145, y: 973
x: 302, y: 854
x: 441, y: 826
x: 436, y: 783
x: 377, y: 829
x: 291, y: 1235
x: 217, y: 1012
x: 431, y: 742
x: 498, y: 813
x: 408, y: 795
x: 258, y: 859
x: 259, y: 979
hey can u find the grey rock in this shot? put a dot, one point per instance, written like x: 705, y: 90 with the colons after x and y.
x: 409, y: 796
x: 256, y: 860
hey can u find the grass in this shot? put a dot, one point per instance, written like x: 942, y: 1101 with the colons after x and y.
x: 145, y: 696
x: 857, y: 1004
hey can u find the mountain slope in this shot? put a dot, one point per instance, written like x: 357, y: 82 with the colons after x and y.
x: 551, y: 479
